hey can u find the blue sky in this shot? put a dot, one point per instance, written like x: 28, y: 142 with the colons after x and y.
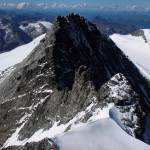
x: 142, y: 3
x: 131, y: 5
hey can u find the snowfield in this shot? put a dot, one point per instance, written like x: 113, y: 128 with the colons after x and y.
x: 136, y: 48
x: 103, y: 134
x: 17, y: 55
x: 147, y: 35
x: 46, y: 24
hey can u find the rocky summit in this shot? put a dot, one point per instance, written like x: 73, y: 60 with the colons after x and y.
x: 73, y: 74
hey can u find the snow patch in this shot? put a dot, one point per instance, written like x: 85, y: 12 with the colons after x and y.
x: 5, y: 73
x: 13, y: 138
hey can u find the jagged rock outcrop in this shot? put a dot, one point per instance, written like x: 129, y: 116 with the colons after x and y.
x: 65, y: 76
x: 127, y: 103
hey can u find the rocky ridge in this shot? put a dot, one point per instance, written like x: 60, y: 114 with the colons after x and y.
x: 63, y: 82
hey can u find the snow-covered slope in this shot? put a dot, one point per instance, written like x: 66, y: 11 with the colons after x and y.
x: 147, y: 35
x: 18, y: 54
x: 8, y: 60
x: 46, y: 24
x: 137, y: 48
x: 102, y: 134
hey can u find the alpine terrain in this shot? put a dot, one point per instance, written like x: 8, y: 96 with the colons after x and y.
x: 75, y: 90
x: 14, y: 34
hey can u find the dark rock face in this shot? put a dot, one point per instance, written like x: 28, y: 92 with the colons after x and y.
x: 92, y: 49
x: 12, y: 36
x: 65, y: 75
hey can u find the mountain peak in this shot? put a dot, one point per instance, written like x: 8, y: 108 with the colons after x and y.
x: 62, y: 79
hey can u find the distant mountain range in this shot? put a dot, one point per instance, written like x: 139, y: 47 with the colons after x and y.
x: 109, y: 28
x: 13, y: 35
x: 29, y: 23
x: 18, y: 29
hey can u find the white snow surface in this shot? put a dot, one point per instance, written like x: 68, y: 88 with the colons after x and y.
x: 136, y: 49
x: 102, y: 134
x: 36, y: 25
x: 147, y: 34
x: 17, y: 55
x: 46, y: 24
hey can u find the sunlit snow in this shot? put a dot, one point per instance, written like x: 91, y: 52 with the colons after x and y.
x: 46, y: 24
x: 136, y: 49
x: 18, y: 54
x: 103, y: 134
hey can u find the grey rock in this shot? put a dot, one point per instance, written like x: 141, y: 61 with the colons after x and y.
x: 42, y: 145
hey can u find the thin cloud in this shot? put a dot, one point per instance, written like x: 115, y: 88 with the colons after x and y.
x: 25, y: 5
x: 43, y: 5
x: 134, y: 7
